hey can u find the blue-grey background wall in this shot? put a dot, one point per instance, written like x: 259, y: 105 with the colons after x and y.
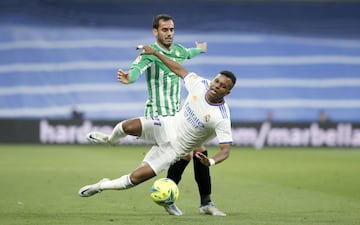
x: 292, y: 58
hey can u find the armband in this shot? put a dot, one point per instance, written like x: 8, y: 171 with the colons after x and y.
x: 211, y: 161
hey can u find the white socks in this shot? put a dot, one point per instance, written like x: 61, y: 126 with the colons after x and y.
x: 117, y: 184
x: 116, y: 134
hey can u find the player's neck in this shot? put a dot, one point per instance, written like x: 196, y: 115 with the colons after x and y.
x: 167, y: 48
x: 214, y: 100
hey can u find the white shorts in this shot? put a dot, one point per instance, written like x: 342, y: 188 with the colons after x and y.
x: 160, y: 157
x: 157, y: 131
x: 154, y: 130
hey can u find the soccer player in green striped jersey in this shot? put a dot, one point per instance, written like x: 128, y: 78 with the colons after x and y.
x: 162, y: 84
x: 164, y: 100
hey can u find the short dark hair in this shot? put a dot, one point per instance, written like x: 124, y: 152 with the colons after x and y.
x: 229, y: 75
x: 159, y: 17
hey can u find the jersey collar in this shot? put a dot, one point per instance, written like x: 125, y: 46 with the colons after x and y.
x: 164, y: 50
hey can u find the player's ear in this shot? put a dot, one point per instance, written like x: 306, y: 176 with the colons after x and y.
x: 155, y: 32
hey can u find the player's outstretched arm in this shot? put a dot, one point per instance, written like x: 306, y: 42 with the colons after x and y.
x: 202, y: 45
x: 223, y: 154
x: 173, y: 65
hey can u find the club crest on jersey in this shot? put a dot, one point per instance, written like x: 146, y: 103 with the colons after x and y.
x: 207, y: 118
x: 194, y: 97
x: 177, y: 53
x: 137, y: 60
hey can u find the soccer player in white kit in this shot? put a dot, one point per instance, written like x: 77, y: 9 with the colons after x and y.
x: 203, y: 116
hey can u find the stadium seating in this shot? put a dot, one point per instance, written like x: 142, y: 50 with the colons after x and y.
x: 293, y: 60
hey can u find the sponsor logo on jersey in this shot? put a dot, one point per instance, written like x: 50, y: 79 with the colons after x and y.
x: 137, y: 60
x: 207, y: 118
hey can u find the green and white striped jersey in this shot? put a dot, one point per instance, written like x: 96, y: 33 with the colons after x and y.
x: 164, y: 90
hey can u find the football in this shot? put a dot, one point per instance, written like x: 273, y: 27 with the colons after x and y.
x: 164, y: 192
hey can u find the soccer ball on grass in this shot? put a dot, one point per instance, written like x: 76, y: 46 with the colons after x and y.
x: 164, y: 192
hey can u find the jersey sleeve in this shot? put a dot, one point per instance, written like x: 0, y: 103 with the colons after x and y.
x: 192, y: 81
x: 141, y: 63
x: 192, y: 52
x: 223, y: 132
x: 189, y: 53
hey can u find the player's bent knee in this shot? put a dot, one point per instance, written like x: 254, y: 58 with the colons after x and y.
x: 200, y: 149
x: 132, y: 127
x: 188, y: 157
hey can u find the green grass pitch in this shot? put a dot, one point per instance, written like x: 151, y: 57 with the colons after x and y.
x: 40, y: 183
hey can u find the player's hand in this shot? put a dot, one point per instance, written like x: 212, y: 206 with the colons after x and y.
x: 147, y: 50
x: 203, y: 158
x: 123, y: 76
x: 202, y: 45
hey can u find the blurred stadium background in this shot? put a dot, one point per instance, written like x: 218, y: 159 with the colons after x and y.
x: 298, y: 69
x: 297, y: 64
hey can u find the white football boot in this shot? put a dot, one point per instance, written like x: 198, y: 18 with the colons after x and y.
x: 96, y: 137
x: 210, y: 209
x: 90, y: 190
x: 173, y: 210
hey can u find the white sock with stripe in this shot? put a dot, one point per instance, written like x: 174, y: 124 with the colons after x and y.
x: 117, y: 184
x: 117, y: 134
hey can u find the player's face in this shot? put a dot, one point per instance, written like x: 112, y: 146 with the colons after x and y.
x: 220, y: 86
x: 165, y: 33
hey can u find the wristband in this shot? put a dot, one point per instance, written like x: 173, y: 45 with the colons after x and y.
x: 211, y: 161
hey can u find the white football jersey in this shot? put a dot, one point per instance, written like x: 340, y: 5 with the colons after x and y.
x: 198, y: 120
